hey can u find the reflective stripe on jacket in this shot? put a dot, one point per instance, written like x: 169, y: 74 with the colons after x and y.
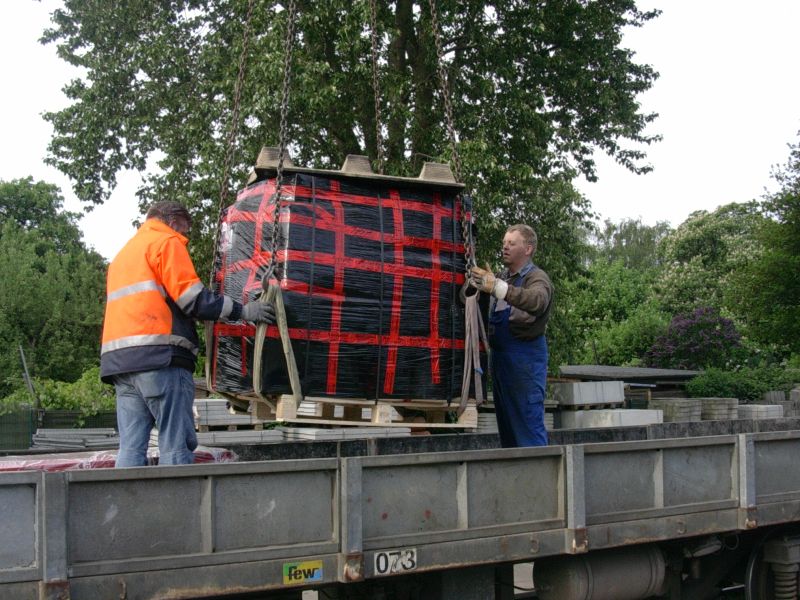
x: 153, y: 297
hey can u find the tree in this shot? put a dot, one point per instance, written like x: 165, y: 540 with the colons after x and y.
x: 51, y: 287
x: 632, y: 242
x: 39, y: 207
x: 703, y: 253
x: 613, y: 310
x: 771, y: 282
x: 626, y: 342
x: 536, y: 88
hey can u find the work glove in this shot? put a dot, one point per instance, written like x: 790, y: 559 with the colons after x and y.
x: 482, y: 279
x: 486, y: 282
x: 258, y: 312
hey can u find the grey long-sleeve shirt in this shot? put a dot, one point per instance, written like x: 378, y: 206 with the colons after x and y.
x: 531, y: 303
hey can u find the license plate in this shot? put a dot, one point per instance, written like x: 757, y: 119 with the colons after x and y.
x: 388, y: 562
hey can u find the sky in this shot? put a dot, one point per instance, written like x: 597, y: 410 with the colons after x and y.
x: 728, y: 99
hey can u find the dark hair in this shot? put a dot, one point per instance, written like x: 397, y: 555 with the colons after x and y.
x: 168, y: 210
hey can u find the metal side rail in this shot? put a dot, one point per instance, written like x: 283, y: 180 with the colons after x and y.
x: 168, y: 532
x: 187, y: 532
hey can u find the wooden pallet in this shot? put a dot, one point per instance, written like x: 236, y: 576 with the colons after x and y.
x: 423, y: 414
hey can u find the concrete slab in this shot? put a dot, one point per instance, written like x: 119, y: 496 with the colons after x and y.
x: 583, y: 419
x: 586, y: 393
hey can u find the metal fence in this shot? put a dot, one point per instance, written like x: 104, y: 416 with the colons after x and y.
x: 17, y: 428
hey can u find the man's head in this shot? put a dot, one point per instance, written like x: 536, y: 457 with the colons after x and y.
x: 519, y: 246
x: 173, y: 214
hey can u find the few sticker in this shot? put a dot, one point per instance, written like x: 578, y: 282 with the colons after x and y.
x: 302, y: 572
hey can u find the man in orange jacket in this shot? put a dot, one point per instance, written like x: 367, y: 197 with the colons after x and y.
x: 150, y: 343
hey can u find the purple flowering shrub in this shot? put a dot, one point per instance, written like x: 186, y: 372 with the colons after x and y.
x: 696, y: 340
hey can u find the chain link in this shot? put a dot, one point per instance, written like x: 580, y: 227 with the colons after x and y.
x: 233, y: 128
x: 466, y: 236
x: 288, y: 46
x: 466, y: 225
x: 373, y: 21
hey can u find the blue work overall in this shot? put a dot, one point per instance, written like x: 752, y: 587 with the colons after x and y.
x: 519, y: 375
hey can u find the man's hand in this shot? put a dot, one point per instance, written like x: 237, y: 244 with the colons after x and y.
x: 485, y: 281
x: 258, y: 312
x: 482, y: 279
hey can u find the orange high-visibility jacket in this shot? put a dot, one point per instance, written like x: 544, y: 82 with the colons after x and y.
x: 153, y: 297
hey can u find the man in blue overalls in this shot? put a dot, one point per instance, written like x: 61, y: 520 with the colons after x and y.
x: 522, y: 296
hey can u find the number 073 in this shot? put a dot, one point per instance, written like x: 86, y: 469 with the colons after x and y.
x: 395, y: 561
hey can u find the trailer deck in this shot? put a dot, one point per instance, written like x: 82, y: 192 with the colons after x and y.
x: 267, y: 525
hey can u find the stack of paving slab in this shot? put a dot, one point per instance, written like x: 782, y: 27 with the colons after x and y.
x: 719, y: 409
x: 581, y: 403
x: 211, y: 412
x: 76, y: 439
x: 587, y: 394
x: 791, y: 407
x: 678, y: 409
x: 760, y: 411
x: 487, y: 422
x: 296, y: 434
x: 586, y: 419
x: 226, y: 438
x: 548, y: 420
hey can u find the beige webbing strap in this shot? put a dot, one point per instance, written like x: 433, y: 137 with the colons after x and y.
x: 474, y: 333
x: 209, y: 330
x: 275, y: 296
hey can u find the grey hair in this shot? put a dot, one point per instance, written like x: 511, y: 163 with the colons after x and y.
x: 527, y: 233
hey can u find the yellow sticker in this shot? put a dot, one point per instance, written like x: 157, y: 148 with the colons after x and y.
x: 302, y: 572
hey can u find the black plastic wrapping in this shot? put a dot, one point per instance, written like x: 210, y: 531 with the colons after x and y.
x: 370, y: 272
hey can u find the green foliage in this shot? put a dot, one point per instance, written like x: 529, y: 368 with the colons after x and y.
x: 631, y: 242
x: 700, y: 256
x: 39, y: 207
x: 771, y: 282
x: 16, y: 400
x: 536, y: 88
x: 612, y: 311
x: 88, y: 395
x: 51, y: 288
x: 748, y: 384
x: 611, y: 291
x: 626, y: 342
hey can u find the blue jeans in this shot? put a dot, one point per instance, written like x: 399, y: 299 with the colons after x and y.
x: 163, y: 398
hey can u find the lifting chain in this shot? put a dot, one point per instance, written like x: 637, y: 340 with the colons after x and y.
x: 233, y: 129
x: 288, y: 46
x: 466, y: 235
x: 373, y: 22
x: 466, y: 229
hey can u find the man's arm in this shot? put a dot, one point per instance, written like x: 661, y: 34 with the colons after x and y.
x: 533, y: 296
x: 183, y: 286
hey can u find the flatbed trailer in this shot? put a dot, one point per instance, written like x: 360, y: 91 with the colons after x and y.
x: 668, y: 512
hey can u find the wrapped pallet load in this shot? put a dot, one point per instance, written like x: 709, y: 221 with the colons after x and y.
x: 370, y: 268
